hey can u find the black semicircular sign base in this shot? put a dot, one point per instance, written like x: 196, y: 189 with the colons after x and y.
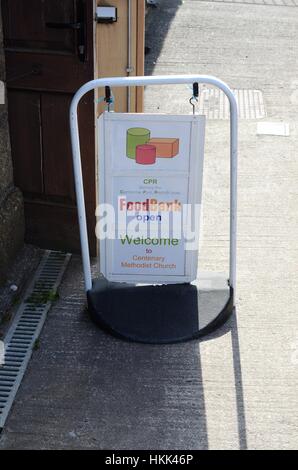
x: 159, y: 314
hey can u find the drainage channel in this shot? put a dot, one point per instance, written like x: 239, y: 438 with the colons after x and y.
x: 26, y: 327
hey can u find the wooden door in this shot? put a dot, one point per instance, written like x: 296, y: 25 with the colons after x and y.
x: 49, y: 55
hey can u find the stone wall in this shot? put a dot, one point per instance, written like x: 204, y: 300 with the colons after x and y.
x: 11, y: 201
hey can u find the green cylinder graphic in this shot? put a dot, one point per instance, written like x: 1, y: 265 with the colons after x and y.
x: 136, y: 136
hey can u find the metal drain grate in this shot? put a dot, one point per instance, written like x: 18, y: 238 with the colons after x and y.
x: 27, y: 325
x: 215, y: 105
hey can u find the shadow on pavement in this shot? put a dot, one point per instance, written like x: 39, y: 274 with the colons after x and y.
x: 157, y: 30
x: 232, y: 327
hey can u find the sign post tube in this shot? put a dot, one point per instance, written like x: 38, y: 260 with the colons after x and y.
x: 143, y: 81
x: 79, y: 187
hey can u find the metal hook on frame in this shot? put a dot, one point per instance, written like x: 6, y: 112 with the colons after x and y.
x: 108, y: 97
x: 195, y: 96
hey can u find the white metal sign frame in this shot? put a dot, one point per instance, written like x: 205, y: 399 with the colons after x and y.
x: 143, y: 81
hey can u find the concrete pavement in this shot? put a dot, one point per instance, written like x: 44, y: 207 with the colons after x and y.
x: 238, y: 387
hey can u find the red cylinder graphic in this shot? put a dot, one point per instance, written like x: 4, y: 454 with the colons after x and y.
x: 146, y: 154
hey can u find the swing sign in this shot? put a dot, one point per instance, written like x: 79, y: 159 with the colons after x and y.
x: 150, y: 174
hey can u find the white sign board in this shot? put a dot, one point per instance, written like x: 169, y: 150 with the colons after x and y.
x: 150, y: 170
